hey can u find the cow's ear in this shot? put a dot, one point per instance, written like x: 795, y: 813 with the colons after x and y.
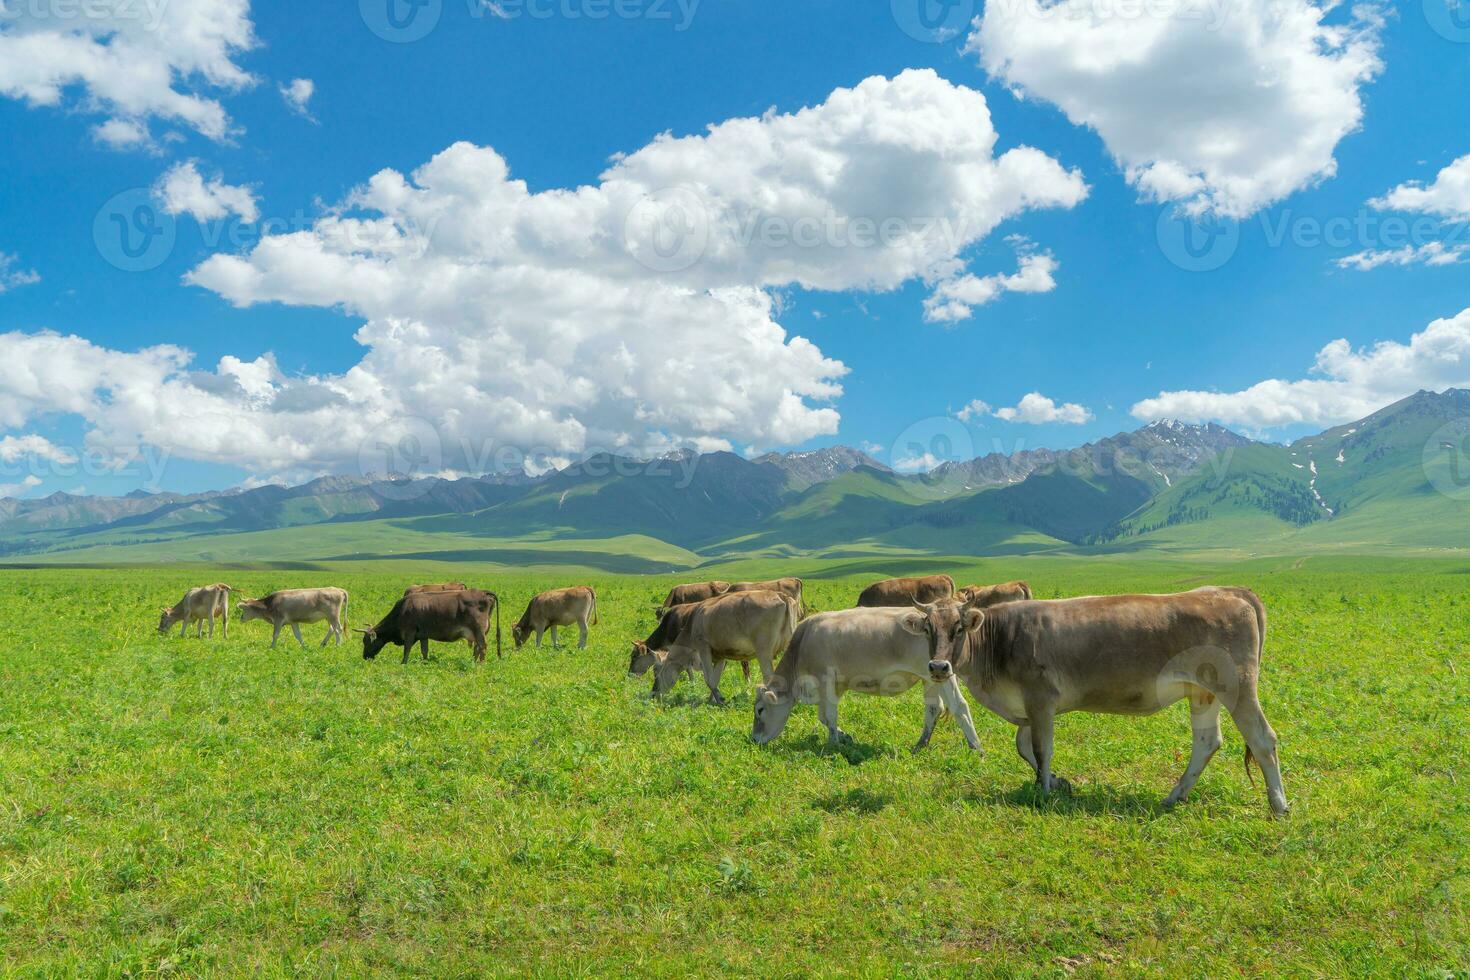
x: 914, y: 622
x: 769, y: 696
x: 973, y: 619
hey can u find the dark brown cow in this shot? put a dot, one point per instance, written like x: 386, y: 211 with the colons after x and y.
x: 1123, y: 655
x: 443, y: 617
x: 985, y: 596
x: 906, y: 591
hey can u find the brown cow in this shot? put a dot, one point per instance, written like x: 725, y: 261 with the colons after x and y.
x: 292, y: 607
x: 670, y: 624
x: 985, y: 596
x: 743, y: 626
x: 906, y: 591
x: 1124, y: 655
x: 443, y: 616
x: 785, y: 586
x: 697, y: 592
x: 560, y: 607
x: 198, y: 605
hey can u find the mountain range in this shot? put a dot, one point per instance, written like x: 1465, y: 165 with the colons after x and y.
x: 1394, y: 481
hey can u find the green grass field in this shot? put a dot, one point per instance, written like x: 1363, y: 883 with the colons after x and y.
x: 188, y: 807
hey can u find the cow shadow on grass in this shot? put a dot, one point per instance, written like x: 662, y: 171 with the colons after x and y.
x: 1090, y: 800
x: 815, y: 743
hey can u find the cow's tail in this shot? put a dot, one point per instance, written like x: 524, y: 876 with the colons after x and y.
x: 1259, y: 608
x: 498, y: 654
x: 793, y: 616
x: 345, y: 597
x: 1026, y: 591
x: 594, y: 604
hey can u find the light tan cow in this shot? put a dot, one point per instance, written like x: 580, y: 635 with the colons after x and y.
x: 560, y: 607
x: 882, y: 651
x: 292, y: 607
x: 985, y: 596
x: 1124, y: 655
x: 785, y: 586
x: 199, y: 605
x: 903, y: 592
x: 741, y: 626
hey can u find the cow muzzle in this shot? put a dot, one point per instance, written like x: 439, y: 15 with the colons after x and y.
x: 941, y: 670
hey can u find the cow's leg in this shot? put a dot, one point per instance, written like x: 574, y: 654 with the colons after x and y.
x: 1023, y: 746
x: 555, y: 643
x: 331, y: 632
x: 745, y: 671
x: 714, y: 669
x: 933, y: 708
x: 539, y: 631
x: 1204, y: 719
x: 477, y: 641
x: 1261, y: 741
x: 296, y: 629
x: 184, y: 629
x: 954, y: 699
x: 827, y: 712
x: 276, y: 634
x: 211, y: 625
x: 582, y: 629
x: 225, y: 617
x: 407, y: 646
x: 1041, y: 717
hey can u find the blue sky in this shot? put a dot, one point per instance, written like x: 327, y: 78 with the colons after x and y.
x: 559, y: 91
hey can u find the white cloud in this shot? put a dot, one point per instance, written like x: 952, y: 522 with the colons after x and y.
x: 920, y: 463
x: 1037, y: 409
x: 871, y: 448
x: 974, y: 410
x: 30, y: 446
x: 122, y: 134
x: 1350, y: 384
x: 954, y: 299
x: 183, y: 190
x: 131, y: 61
x: 11, y: 277
x: 1222, y: 107
x: 298, y: 95
x: 1448, y: 196
x: 577, y: 318
x: 17, y: 489
x: 1432, y: 254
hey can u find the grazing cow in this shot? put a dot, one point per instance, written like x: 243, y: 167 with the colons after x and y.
x: 559, y: 607
x: 675, y: 619
x: 785, y: 586
x: 437, y: 587
x: 985, y: 596
x: 906, y: 591
x: 443, y: 617
x: 698, y: 592
x: 292, y: 607
x: 1127, y: 655
x: 742, y: 626
x: 881, y: 651
x: 198, y: 605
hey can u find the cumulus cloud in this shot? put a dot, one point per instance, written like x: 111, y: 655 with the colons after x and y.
x: 955, y: 298
x: 11, y: 277
x: 30, y: 446
x: 1037, y: 409
x: 183, y: 190
x: 1348, y: 385
x: 1431, y: 254
x: 131, y: 61
x: 1224, y: 108
x: 1447, y: 196
x: 636, y: 314
x: 298, y: 93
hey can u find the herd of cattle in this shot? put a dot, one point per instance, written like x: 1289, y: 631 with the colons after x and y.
x: 1026, y: 660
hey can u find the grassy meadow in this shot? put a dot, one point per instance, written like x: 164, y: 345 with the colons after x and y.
x: 193, y: 807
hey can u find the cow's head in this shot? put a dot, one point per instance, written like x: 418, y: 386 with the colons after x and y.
x: 667, y: 666
x: 948, y: 626
x: 371, y: 643
x: 166, y: 620
x: 642, y: 660
x: 251, y: 609
x: 520, y: 634
x: 772, y: 710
